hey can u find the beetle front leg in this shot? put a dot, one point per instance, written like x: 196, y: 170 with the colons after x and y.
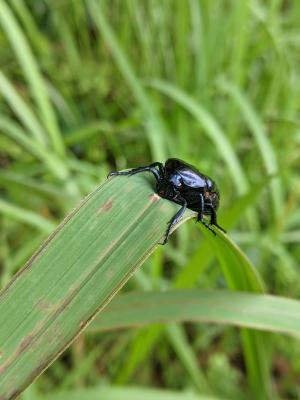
x: 200, y: 213
x: 151, y: 168
x: 177, y: 217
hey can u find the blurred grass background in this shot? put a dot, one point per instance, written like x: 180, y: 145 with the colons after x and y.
x: 91, y: 86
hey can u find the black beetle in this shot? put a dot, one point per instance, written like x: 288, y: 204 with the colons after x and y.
x: 184, y: 184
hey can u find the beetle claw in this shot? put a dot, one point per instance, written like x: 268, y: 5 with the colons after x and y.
x: 165, y: 241
x: 219, y: 227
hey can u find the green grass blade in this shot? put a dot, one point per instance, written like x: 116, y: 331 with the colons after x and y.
x: 198, y: 43
x: 240, y: 274
x: 142, y: 347
x: 237, y: 268
x: 76, y: 272
x: 26, y: 216
x: 139, y: 351
x: 33, y: 75
x: 257, y: 128
x: 154, y: 125
x: 257, y: 311
x: 8, y: 178
x: 125, y: 393
x: 53, y: 163
x: 203, y: 256
x: 22, y: 110
x: 37, y: 39
x: 186, y: 354
x: 211, y: 129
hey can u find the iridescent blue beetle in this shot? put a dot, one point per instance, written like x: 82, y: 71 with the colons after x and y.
x: 185, y: 185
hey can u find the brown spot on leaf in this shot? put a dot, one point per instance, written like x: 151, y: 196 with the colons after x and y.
x: 82, y: 324
x: 25, y: 342
x: 154, y: 198
x: 105, y: 207
x: 42, y: 304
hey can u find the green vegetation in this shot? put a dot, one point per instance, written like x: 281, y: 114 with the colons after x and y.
x: 88, y: 86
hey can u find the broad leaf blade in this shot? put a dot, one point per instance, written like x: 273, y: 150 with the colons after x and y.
x: 251, y: 310
x: 75, y: 273
x: 126, y: 393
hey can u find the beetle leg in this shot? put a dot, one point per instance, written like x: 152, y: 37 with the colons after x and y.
x: 208, y: 226
x: 152, y: 168
x: 200, y: 219
x: 213, y: 219
x: 161, y: 168
x: 200, y: 213
x: 177, y: 217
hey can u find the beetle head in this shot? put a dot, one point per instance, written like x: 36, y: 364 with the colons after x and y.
x: 165, y: 190
x: 213, y: 194
x: 215, y: 199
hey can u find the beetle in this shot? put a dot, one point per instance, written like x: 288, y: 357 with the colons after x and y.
x: 183, y: 184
